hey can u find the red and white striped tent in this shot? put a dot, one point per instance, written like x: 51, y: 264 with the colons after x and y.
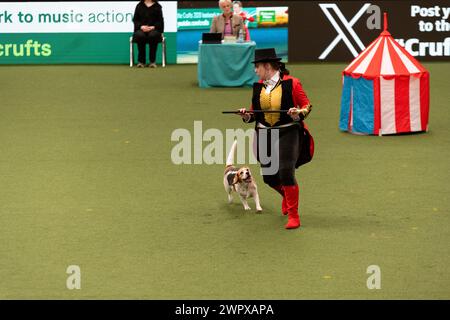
x: 385, y: 90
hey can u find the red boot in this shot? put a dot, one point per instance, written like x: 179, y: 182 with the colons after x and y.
x: 291, y: 193
x: 280, y: 190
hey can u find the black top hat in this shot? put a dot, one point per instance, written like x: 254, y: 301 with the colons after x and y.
x: 265, y: 55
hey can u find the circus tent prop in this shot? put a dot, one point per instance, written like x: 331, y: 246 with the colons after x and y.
x: 385, y: 90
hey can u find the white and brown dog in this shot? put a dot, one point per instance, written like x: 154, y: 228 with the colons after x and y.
x: 241, y: 181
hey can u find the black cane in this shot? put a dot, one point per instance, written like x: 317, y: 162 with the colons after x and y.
x: 258, y: 111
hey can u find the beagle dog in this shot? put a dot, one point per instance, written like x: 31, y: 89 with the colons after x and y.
x: 241, y: 181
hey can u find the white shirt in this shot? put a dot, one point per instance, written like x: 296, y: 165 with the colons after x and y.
x: 272, y: 82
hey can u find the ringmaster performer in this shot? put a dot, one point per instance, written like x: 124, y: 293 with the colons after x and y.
x: 277, y: 91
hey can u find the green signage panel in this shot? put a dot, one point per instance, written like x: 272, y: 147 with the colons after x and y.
x: 55, y: 48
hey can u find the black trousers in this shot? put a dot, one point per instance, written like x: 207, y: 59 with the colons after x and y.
x: 142, y: 38
x: 288, y: 146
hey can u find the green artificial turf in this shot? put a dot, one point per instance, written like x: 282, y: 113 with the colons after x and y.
x: 86, y: 179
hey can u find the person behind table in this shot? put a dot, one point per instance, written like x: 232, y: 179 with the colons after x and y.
x: 227, y: 23
x: 148, y: 26
x: 237, y: 9
x: 276, y: 90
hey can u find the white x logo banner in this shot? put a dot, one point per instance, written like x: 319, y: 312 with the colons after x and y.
x: 326, y: 7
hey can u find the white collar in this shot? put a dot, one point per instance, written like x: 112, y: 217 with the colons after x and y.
x: 274, y: 80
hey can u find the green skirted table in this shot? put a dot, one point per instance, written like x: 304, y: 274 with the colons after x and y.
x: 226, y: 65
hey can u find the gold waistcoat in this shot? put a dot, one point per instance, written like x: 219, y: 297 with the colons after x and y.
x: 271, y: 101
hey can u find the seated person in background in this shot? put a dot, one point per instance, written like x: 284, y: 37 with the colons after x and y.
x: 237, y: 9
x: 227, y: 23
x: 148, y: 26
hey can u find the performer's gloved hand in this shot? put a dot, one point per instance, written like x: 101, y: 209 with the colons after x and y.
x: 244, y: 114
x: 297, y: 114
x: 294, y: 113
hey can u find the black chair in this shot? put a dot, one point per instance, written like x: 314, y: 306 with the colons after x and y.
x: 163, y: 44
